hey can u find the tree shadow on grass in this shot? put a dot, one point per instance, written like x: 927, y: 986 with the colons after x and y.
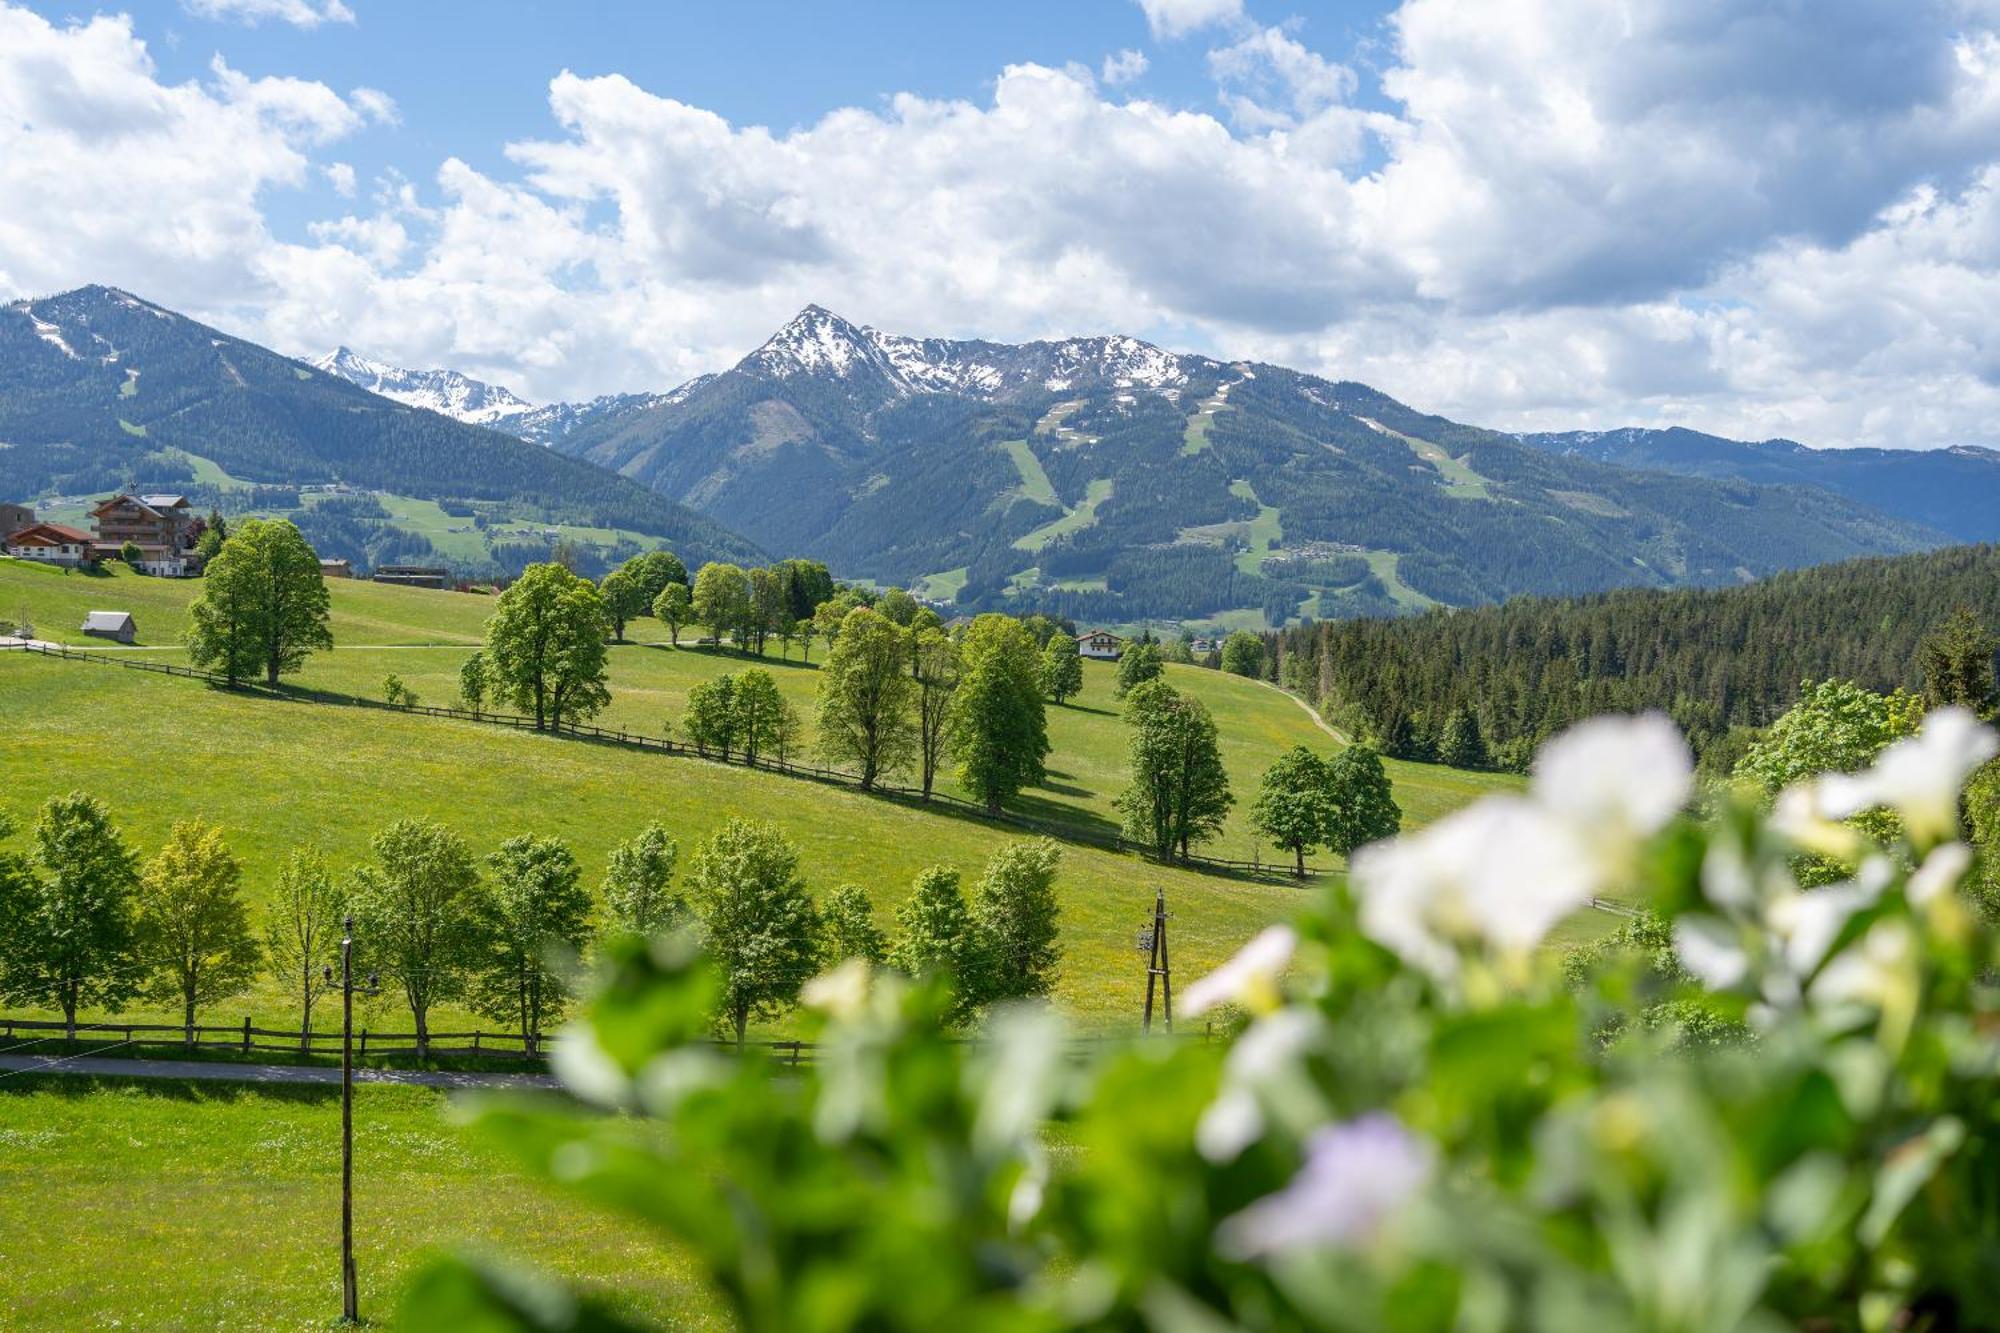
x: 727, y: 654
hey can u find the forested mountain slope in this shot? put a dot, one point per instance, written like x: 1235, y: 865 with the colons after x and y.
x: 1954, y: 490
x: 1712, y: 658
x: 98, y: 388
x: 1106, y: 479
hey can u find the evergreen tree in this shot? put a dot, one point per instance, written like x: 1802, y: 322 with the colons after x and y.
x: 1139, y: 663
x: 67, y: 933
x: 998, y: 727
x: 1062, y: 668
x: 1243, y: 654
x: 638, y: 897
x: 1459, y: 742
x: 1958, y: 664
x: 1295, y: 804
x: 712, y: 719
x: 674, y: 607
x: 1017, y: 914
x: 624, y: 599
x: 302, y: 930
x: 263, y: 605
x: 1364, y: 806
x: 416, y: 916
x: 865, y: 697
x: 1179, y: 792
x: 936, y: 933
x: 534, y: 906
x: 192, y: 925
x: 851, y: 931
x: 545, y: 646
x: 758, y: 923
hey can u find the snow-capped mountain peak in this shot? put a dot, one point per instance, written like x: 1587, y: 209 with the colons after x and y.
x: 444, y: 391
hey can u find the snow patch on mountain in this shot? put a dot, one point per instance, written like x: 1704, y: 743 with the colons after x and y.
x: 443, y: 391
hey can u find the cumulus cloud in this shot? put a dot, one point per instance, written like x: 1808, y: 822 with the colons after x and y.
x: 1177, y: 18
x: 1123, y: 67
x: 340, y: 175
x: 1567, y: 215
x: 298, y: 13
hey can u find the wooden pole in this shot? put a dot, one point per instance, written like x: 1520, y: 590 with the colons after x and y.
x: 349, y: 1297
x: 1158, y: 970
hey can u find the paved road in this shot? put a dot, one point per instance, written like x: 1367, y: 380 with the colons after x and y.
x: 100, y: 1066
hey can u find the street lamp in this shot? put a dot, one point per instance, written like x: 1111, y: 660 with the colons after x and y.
x: 349, y: 1298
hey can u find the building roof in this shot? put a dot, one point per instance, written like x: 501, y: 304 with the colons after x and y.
x: 50, y: 534
x: 152, y: 504
x: 164, y: 501
x: 1099, y: 633
x: 107, y: 620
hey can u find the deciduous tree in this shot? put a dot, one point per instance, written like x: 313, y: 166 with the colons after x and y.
x: 545, y: 646
x: 302, y: 930
x: 66, y: 927
x: 712, y: 720
x: 674, y: 607
x: 1243, y: 654
x: 722, y: 601
x: 474, y: 680
x: 624, y: 599
x: 1017, y: 913
x: 1180, y: 792
x: 1139, y: 663
x: 534, y: 911
x: 638, y: 879
x: 655, y: 572
x: 865, y: 695
x: 757, y: 921
x: 935, y: 666
x: 263, y: 604
x: 1062, y: 668
x: 763, y: 718
x: 1295, y: 805
x: 416, y: 915
x: 936, y: 933
x: 851, y: 931
x: 1364, y: 804
x: 999, y: 731
x: 192, y: 925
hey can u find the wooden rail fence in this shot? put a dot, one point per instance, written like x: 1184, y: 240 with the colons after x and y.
x: 1106, y: 841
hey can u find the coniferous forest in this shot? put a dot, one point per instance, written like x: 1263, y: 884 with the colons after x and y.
x: 1483, y: 685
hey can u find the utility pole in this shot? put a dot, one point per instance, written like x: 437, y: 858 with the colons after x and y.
x: 350, y: 1300
x: 1159, y: 971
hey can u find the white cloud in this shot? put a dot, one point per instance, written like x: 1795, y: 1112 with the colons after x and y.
x: 1567, y: 217
x: 298, y: 13
x: 376, y: 105
x: 341, y: 176
x: 1177, y: 18
x: 1123, y: 67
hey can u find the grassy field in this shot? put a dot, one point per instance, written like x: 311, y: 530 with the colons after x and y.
x: 277, y: 772
x: 157, y: 1204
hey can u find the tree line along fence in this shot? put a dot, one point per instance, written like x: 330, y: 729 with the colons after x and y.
x: 16, y: 1037
x: 1105, y: 841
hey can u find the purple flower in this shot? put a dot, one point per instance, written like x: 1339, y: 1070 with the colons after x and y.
x: 1356, y: 1177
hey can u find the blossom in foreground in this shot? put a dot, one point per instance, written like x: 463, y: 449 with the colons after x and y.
x: 1270, y: 1049
x: 1357, y: 1176
x: 1616, y: 780
x: 1920, y: 778
x: 1249, y: 979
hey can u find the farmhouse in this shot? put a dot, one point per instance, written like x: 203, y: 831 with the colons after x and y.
x: 53, y: 544
x: 413, y: 576
x: 13, y: 518
x: 161, y: 526
x: 115, y: 625
x: 1100, y: 643
x: 336, y: 569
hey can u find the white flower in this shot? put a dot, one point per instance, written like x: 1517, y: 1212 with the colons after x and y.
x: 1801, y: 815
x: 1502, y: 873
x: 1250, y: 978
x: 1616, y: 779
x: 1709, y: 949
x: 1234, y: 1120
x: 1941, y: 871
x: 1807, y: 921
x: 1356, y: 1177
x: 1920, y: 777
x: 1877, y: 970
x: 841, y: 993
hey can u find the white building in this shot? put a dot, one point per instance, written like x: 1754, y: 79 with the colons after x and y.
x: 1100, y: 643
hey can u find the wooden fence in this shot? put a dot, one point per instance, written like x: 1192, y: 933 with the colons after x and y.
x: 1111, y: 841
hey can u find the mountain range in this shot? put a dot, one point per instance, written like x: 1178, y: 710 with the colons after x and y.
x: 100, y: 389
x: 1103, y: 477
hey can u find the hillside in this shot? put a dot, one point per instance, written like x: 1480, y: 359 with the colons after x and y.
x: 1109, y: 480
x: 1712, y: 658
x: 1954, y: 490
x: 272, y: 771
x: 99, y: 389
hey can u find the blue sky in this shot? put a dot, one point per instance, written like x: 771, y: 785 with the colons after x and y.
x: 1759, y: 217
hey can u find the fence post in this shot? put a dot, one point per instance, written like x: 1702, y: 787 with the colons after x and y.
x: 475, y: 1043
x: 246, y: 1034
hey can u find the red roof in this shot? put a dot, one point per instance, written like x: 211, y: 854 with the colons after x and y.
x: 49, y: 534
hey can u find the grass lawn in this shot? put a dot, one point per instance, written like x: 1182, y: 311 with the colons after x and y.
x: 1265, y: 535
x: 158, y: 1204
x: 279, y: 772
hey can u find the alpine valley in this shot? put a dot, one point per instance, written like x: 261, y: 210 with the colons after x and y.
x: 1100, y: 478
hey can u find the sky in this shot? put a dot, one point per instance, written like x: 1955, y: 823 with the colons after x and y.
x: 1756, y: 217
